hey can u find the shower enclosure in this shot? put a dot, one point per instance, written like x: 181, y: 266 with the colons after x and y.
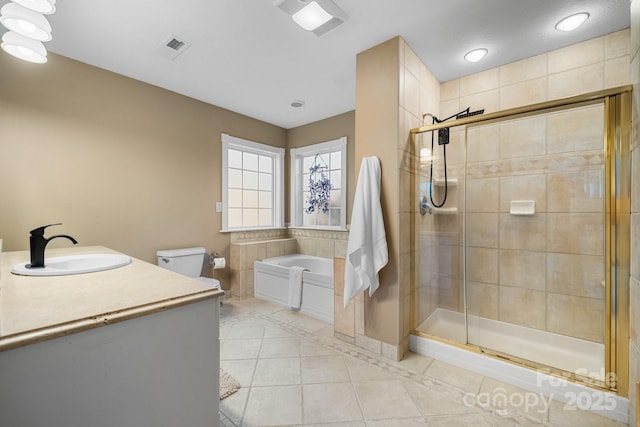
x: 528, y: 257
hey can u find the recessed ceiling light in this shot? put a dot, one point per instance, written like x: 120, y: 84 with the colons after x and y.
x: 572, y: 22
x: 476, y: 55
x: 297, y: 103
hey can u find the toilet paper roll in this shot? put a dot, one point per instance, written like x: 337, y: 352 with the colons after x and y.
x: 219, y: 263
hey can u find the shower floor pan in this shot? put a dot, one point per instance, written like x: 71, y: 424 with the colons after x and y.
x: 547, y: 348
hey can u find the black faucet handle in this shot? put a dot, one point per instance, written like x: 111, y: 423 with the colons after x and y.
x: 40, y: 230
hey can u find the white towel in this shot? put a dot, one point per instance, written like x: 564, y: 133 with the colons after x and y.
x: 367, y: 249
x: 295, y: 287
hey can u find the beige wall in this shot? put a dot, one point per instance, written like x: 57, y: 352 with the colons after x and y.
x: 121, y: 163
x: 377, y: 94
x: 634, y: 344
x: 321, y: 131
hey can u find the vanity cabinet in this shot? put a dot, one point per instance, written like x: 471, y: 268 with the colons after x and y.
x: 147, y: 356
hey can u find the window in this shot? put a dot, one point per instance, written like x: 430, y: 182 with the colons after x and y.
x: 252, y: 185
x: 310, y: 165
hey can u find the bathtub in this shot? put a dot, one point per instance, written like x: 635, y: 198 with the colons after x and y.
x: 271, y: 283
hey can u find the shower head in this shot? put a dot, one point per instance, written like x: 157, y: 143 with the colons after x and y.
x: 468, y: 113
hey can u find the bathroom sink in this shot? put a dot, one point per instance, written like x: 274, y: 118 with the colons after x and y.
x: 74, y: 264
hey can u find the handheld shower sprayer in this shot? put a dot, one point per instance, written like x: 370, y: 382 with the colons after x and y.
x: 443, y: 140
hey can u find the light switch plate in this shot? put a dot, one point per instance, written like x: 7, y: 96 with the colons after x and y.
x: 218, y: 206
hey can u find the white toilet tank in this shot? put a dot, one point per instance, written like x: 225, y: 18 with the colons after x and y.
x: 186, y: 261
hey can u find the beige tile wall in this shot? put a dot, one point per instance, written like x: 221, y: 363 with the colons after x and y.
x: 249, y: 246
x: 529, y: 260
x: 634, y: 344
x: 426, y: 281
x: 245, y: 253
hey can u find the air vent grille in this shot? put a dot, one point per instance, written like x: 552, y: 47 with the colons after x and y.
x: 175, y: 44
x: 172, y: 47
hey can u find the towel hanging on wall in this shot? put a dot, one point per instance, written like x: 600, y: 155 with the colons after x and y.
x: 367, y: 249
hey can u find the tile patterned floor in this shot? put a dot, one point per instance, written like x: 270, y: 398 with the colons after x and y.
x: 294, y: 372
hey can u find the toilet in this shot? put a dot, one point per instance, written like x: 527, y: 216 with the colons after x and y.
x: 186, y: 261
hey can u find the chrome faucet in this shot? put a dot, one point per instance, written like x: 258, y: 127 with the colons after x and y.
x: 38, y: 243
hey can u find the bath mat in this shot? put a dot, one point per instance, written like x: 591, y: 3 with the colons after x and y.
x: 228, y: 384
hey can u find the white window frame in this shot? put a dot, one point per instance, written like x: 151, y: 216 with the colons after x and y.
x: 297, y: 186
x: 277, y: 154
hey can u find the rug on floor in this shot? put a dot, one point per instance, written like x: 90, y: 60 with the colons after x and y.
x: 228, y: 384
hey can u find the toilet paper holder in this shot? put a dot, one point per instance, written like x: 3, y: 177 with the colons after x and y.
x: 216, y: 261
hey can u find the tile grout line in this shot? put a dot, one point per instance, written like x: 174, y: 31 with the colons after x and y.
x: 369, y: 358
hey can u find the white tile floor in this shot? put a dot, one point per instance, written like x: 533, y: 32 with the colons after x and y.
x: 294, y: 372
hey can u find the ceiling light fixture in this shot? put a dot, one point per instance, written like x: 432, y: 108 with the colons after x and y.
x: 24, y: 48
x: 476, y: 55
x: 28, y: 28
x: 317, y: 16
x: 572, y: 22
x: 25, y: 22
x: 46, y: 7
x: 297, y: 103
x: 311, y: 16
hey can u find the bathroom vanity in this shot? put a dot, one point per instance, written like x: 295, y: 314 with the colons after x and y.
x: 132, y: 346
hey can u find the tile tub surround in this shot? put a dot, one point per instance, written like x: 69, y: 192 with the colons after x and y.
x: 249, y: 246
x: 245, y: 253
x: 293, y: 371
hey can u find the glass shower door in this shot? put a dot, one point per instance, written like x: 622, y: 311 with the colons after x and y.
x: 534, y: 238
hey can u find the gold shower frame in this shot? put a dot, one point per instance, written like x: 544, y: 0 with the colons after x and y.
x: 617, y: 139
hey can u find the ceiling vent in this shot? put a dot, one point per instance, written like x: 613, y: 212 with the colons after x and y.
x: 172, y: 47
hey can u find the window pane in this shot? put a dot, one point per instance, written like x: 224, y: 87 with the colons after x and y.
x: 266, y: 164
x: 264, y: 217
x: 265, y: 182
x: 249, y: 199
x: 250, y: 161
x: 324, y: 160
x: 250, y: 180
x: 308, y: 219
x: 322, y: 218
x: 305, y: 200
x: 334, y: 200
x: 250, y: 217
x: 336, y: 178
x: 335, y: 217
x: 235, y: 198
x: 336, y: 160
x: 306, y: 164
x: 264, y: 200
x: 234, y: 178
x: 235, y: 159
x: 235, y: 217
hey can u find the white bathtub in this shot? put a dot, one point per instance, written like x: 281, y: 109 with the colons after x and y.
x: 271, y: 283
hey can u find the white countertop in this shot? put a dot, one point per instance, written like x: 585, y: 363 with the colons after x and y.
x: 34, y: 309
